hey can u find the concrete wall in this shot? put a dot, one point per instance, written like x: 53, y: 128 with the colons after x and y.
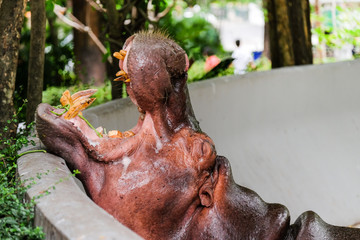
x: 291, y: 134
x: 63, y: 209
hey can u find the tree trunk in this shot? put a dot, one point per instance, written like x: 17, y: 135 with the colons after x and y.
x: 36, y: 58
x: 118, y: 32
x: 290, y: 32
x: 301, y: 31
x: 266, y: 51
x: 90, y: 66
x: 11, y: 19
x: 53, y: 40
x: 115, y: 30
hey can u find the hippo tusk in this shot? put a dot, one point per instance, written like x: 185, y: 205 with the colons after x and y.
x: 120, y: 55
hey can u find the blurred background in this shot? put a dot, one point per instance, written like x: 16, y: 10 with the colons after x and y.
x: 81, y: 35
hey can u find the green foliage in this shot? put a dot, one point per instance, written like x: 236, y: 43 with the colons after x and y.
x: 193, y: 35
x: 345, y: 31
x: 52, y: 187
x: 8, y: 155
x: 59, y: 56
x: 16, y: 216
x: 52, y: 95
x: 259, y: 2
x: 226, y: 72
x: 196, y: 36
x: 261, y: 64
x: 197, y: 70
x: 349, y: 29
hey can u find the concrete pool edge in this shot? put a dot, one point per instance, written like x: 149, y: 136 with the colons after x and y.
x: 62, y: 208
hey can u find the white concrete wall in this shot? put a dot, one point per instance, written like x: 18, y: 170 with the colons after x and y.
x: 292, y: 134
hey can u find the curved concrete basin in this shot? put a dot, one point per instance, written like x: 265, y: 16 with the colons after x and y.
x: 291, y: 134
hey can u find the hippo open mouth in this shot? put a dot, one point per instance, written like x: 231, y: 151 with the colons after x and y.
x: 164, y: 179
x: 159, y: 94
x: 77, y: 129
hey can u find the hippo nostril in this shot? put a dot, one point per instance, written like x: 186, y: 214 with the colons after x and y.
x: 279, y: 220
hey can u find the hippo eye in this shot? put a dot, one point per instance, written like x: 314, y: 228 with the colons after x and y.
x: 207, y: 149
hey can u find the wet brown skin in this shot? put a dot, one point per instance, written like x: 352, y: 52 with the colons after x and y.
x: 167, y: 182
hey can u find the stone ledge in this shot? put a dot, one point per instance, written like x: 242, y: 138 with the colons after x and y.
x: 66, y: 212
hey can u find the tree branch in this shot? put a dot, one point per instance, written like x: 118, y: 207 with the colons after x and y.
x: 151, y: 12
x: 75, y: 23
x: 110, y: 10
x: 97, y: 5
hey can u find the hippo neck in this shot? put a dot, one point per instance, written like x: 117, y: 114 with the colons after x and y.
x: 159, y: 122
x: 167, y: 121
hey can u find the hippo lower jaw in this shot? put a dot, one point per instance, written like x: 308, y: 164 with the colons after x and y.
x: 77, y: 131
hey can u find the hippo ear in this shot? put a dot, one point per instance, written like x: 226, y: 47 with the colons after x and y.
x: 206, y: 193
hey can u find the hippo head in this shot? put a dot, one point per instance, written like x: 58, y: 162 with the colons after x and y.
x: 166, y: 181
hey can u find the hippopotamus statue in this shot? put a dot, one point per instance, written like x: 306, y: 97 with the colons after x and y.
x: 166, y: 181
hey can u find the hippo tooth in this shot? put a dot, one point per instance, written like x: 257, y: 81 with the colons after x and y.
x: 118, y: 56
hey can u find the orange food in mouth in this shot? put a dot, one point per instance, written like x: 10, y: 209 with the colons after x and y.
x: 79, y: 101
